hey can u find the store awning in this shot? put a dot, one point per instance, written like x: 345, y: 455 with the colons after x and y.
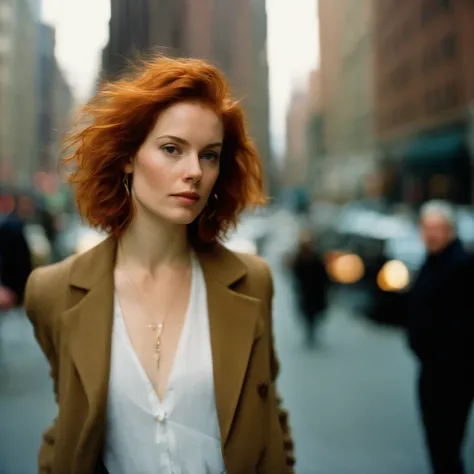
x: 443, y: 150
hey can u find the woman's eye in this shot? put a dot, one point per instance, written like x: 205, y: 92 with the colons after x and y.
x: 211, y: 155
x: 170, y: 149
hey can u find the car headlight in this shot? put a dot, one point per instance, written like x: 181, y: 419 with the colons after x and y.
x: 346, y: 268
x: 87, y: 241
x: 393, y: 276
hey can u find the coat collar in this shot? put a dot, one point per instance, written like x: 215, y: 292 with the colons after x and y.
x: 88, y: 324
x: 89, y: 268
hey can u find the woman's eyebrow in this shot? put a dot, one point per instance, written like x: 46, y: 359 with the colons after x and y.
x: 182, y: 141
x: 176, y: 139
x: 214, y: 145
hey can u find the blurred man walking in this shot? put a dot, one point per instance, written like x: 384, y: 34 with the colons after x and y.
x: 441, y: 334
x: 311, y: 285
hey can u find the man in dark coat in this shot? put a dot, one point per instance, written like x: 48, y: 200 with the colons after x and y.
x: 311, y: 285
x: 15, y: 261
x: 441, y: 334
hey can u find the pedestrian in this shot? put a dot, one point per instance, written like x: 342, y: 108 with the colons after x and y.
x: 49, y: 222
x: 311, y: 283
x: 159, y: 338
x: 441, y: 334
x: 15, y: 260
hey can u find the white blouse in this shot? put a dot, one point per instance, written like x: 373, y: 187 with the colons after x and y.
x: 177, y: 435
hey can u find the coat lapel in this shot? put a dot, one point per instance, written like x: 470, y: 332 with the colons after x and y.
x: 233, y: 323
x: 88, y: 327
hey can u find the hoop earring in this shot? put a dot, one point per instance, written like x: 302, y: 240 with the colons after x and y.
x: 126, y: 181
x: 214, y: 212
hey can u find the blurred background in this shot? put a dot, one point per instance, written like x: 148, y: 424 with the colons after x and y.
x: 362, y: 110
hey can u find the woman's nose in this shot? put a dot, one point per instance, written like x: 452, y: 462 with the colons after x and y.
x: 193, y: 169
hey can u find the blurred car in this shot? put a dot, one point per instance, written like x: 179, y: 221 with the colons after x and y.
x: 402, y: 258
x: 377, y: 254
x: 380, y: 255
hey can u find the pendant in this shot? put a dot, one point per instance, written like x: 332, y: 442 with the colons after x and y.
x: 157, y: 329
x: 158, y: 349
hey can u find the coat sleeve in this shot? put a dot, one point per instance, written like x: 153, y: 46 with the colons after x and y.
x: 44, y: 337
x: 280, y: 433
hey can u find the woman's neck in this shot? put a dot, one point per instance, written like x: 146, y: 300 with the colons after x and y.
x: 152, y: 243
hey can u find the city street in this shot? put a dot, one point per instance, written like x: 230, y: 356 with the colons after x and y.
x: 351, y: 401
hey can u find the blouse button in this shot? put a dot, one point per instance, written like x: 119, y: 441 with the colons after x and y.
x: 160, y: 418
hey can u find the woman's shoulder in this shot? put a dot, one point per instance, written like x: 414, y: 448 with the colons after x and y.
x: 255, y: 264
x: 225, y: 258
x: 45, y: 283
x: 257, y: 280
x: 54, y: 274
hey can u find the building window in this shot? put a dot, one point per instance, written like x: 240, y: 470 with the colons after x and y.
x: 452, y: 95
x: 449, y: 46
x: 427, y: 60
x: 426, y: 12
x: 431, y: 9
x: 443, y: 51
x: 445, y: 4
x: 442, y: 99
x: 408, y: 29
x: 430, y: 101
x: 402, y: 75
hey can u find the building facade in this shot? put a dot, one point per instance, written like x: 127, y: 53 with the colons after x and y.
x: 315, y: 135
x: 297, y: 150
x: 229, y: 34
x: 47, y: 63
x: 6, y: 50
x: 347, y: 91
x: 18, y: 95
x: 62, y: 107
x: 128, y: 34
x: 424, y: 93
x: 35, y: 100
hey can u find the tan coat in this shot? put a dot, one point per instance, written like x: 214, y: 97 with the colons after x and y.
x: 70, y: 305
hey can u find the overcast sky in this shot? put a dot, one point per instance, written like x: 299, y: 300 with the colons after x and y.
x: 81, y: 33
x: 82, y: 29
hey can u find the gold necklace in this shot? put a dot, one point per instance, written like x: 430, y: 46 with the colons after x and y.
x: 156, y: 328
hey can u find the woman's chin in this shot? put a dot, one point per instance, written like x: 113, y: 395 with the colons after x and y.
x: 182, y: 217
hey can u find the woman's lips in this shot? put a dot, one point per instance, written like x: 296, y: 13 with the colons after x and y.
x: 187, y: 198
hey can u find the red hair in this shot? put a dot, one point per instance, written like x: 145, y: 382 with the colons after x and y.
x: 118, y: 120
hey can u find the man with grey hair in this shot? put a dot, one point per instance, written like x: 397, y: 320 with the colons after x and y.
x: 438, y: 225
x: 441, y: 334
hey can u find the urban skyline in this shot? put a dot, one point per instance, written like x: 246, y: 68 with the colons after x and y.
x: 289, y: 26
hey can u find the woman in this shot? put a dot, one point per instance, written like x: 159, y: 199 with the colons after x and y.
x: 159, y: 339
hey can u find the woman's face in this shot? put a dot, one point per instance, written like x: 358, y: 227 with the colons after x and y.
x: 177, y: 166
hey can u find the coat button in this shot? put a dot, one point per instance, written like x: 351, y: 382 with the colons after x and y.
x: 263, y: 390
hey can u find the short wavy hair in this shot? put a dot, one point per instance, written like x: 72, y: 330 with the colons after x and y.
x: 115, y: 123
